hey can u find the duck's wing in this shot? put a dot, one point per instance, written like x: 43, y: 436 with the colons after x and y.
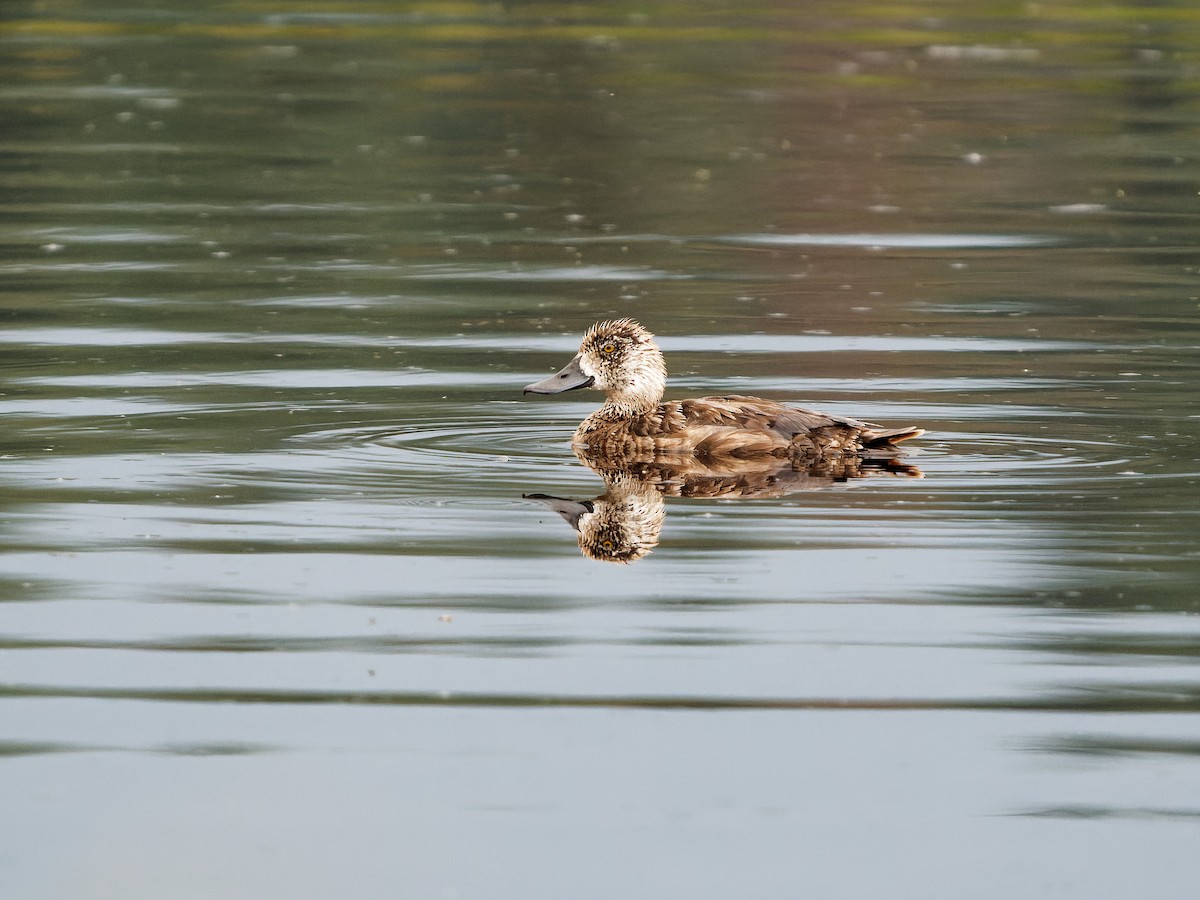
x: 754, y: 413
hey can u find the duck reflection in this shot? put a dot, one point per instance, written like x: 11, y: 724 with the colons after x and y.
x: 623, y: 523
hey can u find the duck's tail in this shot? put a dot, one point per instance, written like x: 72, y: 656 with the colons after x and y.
x: 884, y: 440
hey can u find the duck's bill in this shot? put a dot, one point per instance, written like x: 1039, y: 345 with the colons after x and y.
x: 570, y: 378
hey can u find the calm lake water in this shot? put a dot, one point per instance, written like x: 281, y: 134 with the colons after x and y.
x: 275, y: 617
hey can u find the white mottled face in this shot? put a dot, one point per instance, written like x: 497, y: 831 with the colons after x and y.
x: 607, y: 359
x: 624, y: 361
x: 593, y: 370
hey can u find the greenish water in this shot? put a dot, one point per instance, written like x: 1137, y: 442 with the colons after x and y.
x: 275, y: 618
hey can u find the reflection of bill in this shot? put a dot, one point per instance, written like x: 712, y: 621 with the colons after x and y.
x: 623, y: 523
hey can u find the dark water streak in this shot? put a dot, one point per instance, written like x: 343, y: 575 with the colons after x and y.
x: 1160, y: 699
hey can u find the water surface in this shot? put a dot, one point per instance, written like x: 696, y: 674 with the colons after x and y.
x: 276, y: 619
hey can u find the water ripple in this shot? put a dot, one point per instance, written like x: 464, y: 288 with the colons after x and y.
x: 892, y: 241
x: 621, y: 274
x: 1067, y: 702
x: 742, y: 343
x: 488, y: 443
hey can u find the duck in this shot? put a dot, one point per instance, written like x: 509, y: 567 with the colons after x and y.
x: 621, y: 358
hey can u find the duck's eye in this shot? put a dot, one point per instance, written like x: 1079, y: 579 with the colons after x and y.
x: 608, y: 349
x: 607, y: 545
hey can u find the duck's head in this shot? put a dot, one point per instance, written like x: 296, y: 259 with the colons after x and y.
x: 618, y: 357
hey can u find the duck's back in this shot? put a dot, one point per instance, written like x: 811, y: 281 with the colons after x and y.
x: 733, y: 426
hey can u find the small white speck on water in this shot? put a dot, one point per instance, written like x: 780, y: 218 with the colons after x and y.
x: 159, y: 103
x: 1078, y: 209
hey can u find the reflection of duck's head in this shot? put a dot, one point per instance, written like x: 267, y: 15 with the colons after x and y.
x: 618, y: 357
x: 621, y: 525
